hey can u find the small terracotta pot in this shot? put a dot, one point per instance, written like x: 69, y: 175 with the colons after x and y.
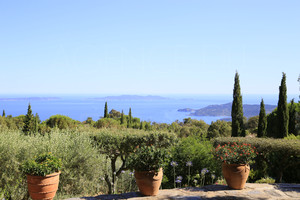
x: 43, y: 187
x: 236, y: 175
x: 148, y: 182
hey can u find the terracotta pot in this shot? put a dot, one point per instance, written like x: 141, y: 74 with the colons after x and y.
x: 43, y: 187
x: 148, y: 182
x: 236, y: 175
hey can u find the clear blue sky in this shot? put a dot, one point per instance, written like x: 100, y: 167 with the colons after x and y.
x: 148, y: 47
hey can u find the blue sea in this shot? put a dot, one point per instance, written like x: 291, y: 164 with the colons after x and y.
x: 80, y: 107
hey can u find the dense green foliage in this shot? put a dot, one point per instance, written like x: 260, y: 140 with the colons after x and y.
x: 219, y: 129
x: 292, y: 117
x: 82, y: 165
x: 272, y: 121
x: 148, y: 158
x: 282, y: 157
x: 237, y: 115
x: 282, y: 110
x: 199, y: 153
x: 42, y: 165
x: 61, y: 122
x: 262, y: 122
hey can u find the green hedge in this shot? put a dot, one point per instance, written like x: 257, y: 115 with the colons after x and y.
x: 281, y: 156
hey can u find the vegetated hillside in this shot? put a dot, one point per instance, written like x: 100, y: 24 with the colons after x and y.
x: 225, y: 110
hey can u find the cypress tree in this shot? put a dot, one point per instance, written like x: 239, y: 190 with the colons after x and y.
x: 28, y: 122
x: 122, y: 117
x: 105, y: 110
x: 262, y: 121
x: 282, y: 110
x: 292, y: 118
x: 37, y: 121
x: 129, y: 115
x: 129, y: 119
x: 237, y: 115
x: 141, y: 125
x: 3, y: 113
x: 299, y: 87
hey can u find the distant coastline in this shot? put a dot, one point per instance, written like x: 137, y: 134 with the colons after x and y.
x: 225, y: 110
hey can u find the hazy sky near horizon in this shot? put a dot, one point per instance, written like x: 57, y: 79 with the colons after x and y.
x: 148, y: 47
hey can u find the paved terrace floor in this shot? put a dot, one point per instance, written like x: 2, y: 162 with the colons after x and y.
x: 215, y: 192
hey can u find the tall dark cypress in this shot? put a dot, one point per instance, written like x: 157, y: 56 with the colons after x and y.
x: 237, y: 115
x: 129, y: 119
x: 299, y: 86
x: 28, y: 127
x: 282, y: 110
x: 3, y: 113
x: 262, y: 121
x: 292, y: 118
x: 122, y: 117
x: 105, y: 110
x: 37, y: 122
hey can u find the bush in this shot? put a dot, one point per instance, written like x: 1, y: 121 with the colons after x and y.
x: 75, y: 150
x: 61, y: 122
x: 117, y: 145
x: 233, y: 153
x: 281, y: 156
x: 42, y: 165
x: 219, y: 128
x: 197, y: 151
x: 266, y: 180
x: 107, y: 123
x: 148, y: 158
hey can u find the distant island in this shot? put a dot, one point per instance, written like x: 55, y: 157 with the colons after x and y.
x: 131, y: 98
x: 225, y: 110
x: 30, y: 99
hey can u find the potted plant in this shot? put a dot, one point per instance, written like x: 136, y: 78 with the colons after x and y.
x: 235, y: 160
x: 42, y: 176
x: 147, y: 163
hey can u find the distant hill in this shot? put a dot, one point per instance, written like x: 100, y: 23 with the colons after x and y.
x: 225, y: 110
x: 132, y: 98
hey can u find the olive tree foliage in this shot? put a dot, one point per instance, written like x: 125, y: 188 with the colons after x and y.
x: 252, y: 124
x: 61, y: 122
x: 219, y: 128
x: 117, y: 145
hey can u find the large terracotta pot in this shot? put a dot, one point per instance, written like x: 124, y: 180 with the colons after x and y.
x: 236, y: 175
x: 148, y: 182
x: 43, y: 187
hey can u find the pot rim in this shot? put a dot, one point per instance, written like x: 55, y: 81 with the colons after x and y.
x: 48, y: 175
x: 149, y: 171
x: 233, y: 164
